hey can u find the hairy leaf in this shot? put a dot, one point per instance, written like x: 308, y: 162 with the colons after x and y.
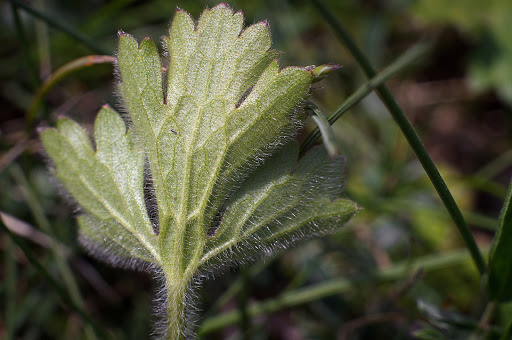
x: 213, y: 137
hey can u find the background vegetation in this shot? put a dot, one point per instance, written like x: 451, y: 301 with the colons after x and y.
x: 400, y: 268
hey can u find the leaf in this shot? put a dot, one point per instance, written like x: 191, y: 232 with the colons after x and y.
x: 500, y: 257
x: 328, y: 136
x: 281, y: 202
x: 108, y: 183
x: 213, y: 136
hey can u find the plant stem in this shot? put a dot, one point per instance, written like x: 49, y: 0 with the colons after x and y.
x: 328, y: 138
x: 32, y: 71
x: 43, y: 43
x: 508, y: 332
x: 484, y: 322
x: 242, y: 304
x: 175, y: 310
x: 337, y: 286
x: 61, y: 261
x: 10, y: 289
x: 56, y: 76
x: 66, y: 297
x: 411, y: 136
x: 176, y: 288
x: 61, y: 26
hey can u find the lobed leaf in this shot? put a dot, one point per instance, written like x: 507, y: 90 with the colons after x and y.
x: 281, y: 203
x: 212, y: 136
x: 108, y: 183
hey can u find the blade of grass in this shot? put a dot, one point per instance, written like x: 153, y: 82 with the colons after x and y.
x: 245, y: 320
x: 29, y: 62
x: 483, y: 330
x: 236, y: 286
x: 10, y: 290
x: 409, y: 133
x: 486, y: 185
x: 56, y: 76
x: 58, y: 256
x: 481, y: 221
x: 43, y: 44
x: 43, y: 223
x: 399, y: 65
x: 63, y: 294
x: 29, y: 232
x: 507, y: 335
x: 61, y: 26
x: 329, y: 140
x: 500, y: 260
x: 496, y: 166
x: 13, y: 153
x: 101, y: 17
x: 337, y: 286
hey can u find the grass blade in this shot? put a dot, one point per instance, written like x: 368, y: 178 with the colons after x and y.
x: 410, y: 134
x: 61, y: 27
x: 64, y: 295
x: 336, y: 286
x: 56, y: 76
x: 500, y: 259
x: 327, y: 133
x: 400, y: 64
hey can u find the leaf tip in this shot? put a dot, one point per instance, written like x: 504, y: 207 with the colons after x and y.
x: 61, y: 117
x: 40, y: 129
x: 320, y: 72
x: 264, y: 23
x: 223, y: 4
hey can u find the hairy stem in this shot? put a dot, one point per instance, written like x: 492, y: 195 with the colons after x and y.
x: 175, y: 309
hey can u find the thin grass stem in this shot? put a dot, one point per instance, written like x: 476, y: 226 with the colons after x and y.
x: 325, y: 289
x: 243, y: 294
x: 32, y: 70
x: 410, y: 134
x: 63, y: 294
x: 482, y: 330
x: 328, y: 138
x: 43, y: 44
x: 236, y: 286
x: 399, y: 65
x: 61, y: 27
x: 60, y: 260
x: 56, y: 76
x: 508, y: 332
x: 10, y: 290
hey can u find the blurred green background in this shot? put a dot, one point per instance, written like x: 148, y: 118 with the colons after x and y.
x: 459, y: 99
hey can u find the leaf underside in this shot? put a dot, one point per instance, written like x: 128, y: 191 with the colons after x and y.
x: 214, y: 134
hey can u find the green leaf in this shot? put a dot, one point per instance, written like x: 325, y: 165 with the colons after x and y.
x: 107, y: 184
x: 212, y: 139
x: 500, y: 257
x: 282, y: 202
x: 328, y: 136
